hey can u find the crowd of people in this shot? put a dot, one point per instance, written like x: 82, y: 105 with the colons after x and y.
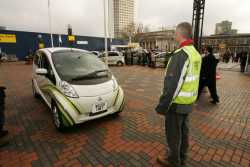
x: 237, y: 57
x: 142, y: 57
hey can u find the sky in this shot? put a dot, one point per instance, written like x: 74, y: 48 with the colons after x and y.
x: 86, y: 16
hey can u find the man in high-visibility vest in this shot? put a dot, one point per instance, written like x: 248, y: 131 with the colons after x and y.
x: 179, y: 93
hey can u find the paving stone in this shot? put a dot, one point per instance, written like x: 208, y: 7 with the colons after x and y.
x: 219, y: 135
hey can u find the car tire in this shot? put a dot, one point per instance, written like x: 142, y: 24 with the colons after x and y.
x: 57, y: 118
x: 120, y: 63
x: 118, y: 112
x: 35, y: 94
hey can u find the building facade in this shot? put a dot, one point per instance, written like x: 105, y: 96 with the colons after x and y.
x: 19, y: 43
x: 224, y: 27
x: 232, y: 43
x: 159, y: 40
x: 123, y: 15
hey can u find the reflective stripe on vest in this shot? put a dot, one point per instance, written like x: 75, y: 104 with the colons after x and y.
x: 187, y: 94
x: 191, y: 78
x: 187, y: 89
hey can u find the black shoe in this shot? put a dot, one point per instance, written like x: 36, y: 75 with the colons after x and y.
x: 163, y: 161
x: 183, y: 163
x: 3, y: 133
x: 214, y: 101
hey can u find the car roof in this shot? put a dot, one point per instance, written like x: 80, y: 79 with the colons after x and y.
x: 58, y: 49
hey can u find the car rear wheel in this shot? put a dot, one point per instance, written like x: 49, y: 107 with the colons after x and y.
x: 35, y: 94
x: 120, y: 63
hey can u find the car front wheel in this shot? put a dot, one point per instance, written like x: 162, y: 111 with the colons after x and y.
x: 35, y: 94
x: 120, y: 110
x: 57, y: 120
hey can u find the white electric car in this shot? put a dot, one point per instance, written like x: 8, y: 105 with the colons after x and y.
x: 76, y: 85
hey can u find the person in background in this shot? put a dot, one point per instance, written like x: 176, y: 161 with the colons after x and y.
x: 144, y: 57
x: 126, y: 56
x: 179, y: 93
x: 1, y: 55
x: 3, y: 132
x: 243, y: 61
x: 208, y: 75
x: 131, y: 57
x: 149, y: 58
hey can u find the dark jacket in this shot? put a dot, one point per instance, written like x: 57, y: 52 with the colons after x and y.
x: 2, y: 95
x: 171, y: 81
x: 208, y: 67
x: 243, y: 58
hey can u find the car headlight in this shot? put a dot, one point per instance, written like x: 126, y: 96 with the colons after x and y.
x: 68, y: 90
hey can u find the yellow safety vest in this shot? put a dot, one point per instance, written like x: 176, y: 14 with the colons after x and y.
x: 187, y: 89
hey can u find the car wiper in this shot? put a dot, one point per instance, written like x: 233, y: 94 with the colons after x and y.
x: 90, y: 75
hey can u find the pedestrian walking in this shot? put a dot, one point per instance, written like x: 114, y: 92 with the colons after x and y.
x: 149, y: 58
x: 243, y: 61
x: 1, y: 54
x: 208, y: 75
x: 179, y: 93
x: 3, y: 132
x: 144, y: 57
x: 126, y: 57
x: 131, y: 57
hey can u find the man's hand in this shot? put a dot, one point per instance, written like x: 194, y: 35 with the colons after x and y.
x: 160, y: 111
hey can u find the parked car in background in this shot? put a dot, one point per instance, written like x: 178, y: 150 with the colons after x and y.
x: 114, y: 58
x: 76, y: 86
x: 216, y: 55
x: 97, y: 53
x: 160, y: 59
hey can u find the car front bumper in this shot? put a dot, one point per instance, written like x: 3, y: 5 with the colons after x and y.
x: 80, y: 109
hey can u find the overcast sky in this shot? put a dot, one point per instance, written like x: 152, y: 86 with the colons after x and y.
x: 86, y: 16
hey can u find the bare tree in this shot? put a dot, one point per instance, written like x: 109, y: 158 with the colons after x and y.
x: 133, y: 32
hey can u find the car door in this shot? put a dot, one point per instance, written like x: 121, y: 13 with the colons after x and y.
x: 161, y: 59
x: 48, y: 79
x: 36, y: 65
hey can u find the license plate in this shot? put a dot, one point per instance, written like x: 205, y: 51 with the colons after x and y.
x: 99, y: 107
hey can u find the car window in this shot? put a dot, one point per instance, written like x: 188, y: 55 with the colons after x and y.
x: 95, y: 53
x: 36, y: 60
x: 111, y: 54
x: 46, y: 65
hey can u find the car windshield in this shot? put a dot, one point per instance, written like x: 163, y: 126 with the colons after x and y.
x: 76, y: 65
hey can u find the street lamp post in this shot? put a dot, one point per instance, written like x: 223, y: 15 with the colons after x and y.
x: 50, y: 25
x: 105, y: 33
x: 110, y: 20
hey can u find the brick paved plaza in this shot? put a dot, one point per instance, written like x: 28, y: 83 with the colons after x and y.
x: 220, y: 135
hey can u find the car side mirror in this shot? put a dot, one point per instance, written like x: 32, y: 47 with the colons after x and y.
x: 41, y: 71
